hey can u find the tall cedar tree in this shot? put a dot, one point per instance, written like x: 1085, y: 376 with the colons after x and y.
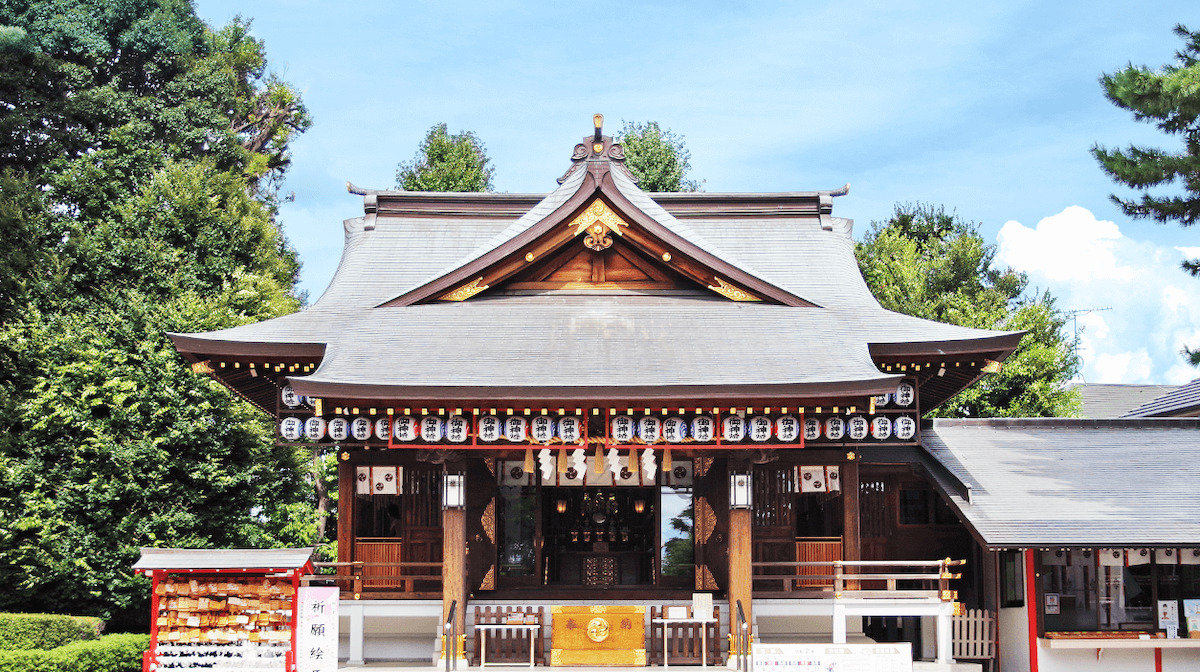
x: 658, y: 158
x: 1170, y: 99
x: 929, y: 263
x: 141, y: 153
x: 447, y: 162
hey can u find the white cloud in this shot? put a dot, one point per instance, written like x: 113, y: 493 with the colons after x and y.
x: 1143, y: 310
x: 1189, y: 252
x: 1069, y: 245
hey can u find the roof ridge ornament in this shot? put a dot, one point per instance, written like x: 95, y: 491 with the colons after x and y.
x: 599, y: 150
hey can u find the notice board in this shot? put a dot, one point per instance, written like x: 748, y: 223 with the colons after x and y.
x: 833, y: 657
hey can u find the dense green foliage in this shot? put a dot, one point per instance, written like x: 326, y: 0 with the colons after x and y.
x: 1170, y: 99
x: 45, y: 631
x: 657, y: 157
x: 932, y: 264
x: 110, y: 653
x: 141, y: 154
x: 447, y: 162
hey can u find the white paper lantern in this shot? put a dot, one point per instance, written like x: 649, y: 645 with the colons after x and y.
x: 787, y: 428
x: 812, y: 429
x: 674, y: 429
x: 760, y: 428
x: 339, y: 429
x: 382, y: 427
x: 458, y: 429
x: 291, y: 429
x: 490, y: 428
x: 404, y: 428
x: 289, y: 397
x: 649, y: 429
x: 883, y: 400
x: 360, y: 428
x: 569, y: 429
x: 859, y: 427
x: 906, y: 394
x: 541, y: 428
x: 906, y: 428
x: 733, y: 428
x: 433, y: 429
x: 621, y: 428
x: 514, y: 428
x: 835, y: 429
x: 703, y: 428
x: 314, y: 428
x: 881, y: 427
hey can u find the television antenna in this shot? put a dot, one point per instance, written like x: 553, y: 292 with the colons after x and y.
x: 1074, y: 315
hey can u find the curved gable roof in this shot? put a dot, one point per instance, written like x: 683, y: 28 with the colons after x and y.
x: 602, y: 175
x: 821, y: 335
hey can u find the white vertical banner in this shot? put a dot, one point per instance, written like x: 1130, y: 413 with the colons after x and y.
x: 383, y: 481
x: 812, y: 479
x: 317, y: 629
x: 362, y: 480
x: 1166, y: 556
x: 1111, y: 557
x: 833, y: 478
x: 1137, y: 556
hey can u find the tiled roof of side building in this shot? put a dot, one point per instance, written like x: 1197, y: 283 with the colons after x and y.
x: 1183, y: 401
x: 1054, y: 482
x: 1105, y: 400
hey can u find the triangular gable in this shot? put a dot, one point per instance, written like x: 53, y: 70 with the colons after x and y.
x: 597, y: 238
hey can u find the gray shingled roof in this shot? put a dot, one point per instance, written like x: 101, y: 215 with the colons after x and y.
x: 1183, y: 401
x: 590, y: 341
x: 1102, y: 400
x: 223, y: 558
x: 1053, y: 482
x: 562, y: 340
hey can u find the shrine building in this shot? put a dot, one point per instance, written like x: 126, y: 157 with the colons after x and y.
x: 687, y: 410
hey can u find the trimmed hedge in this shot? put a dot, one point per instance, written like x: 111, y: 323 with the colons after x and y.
x: 21, y: 632
x: 110, y: 653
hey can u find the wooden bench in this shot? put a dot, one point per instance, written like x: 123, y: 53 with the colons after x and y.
x: 681, y: 628
x: 509, y: 645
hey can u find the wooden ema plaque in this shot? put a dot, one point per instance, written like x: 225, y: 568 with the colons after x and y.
x: 602, y: 635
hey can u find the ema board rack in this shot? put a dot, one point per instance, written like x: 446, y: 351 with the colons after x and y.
x: 225, y: 609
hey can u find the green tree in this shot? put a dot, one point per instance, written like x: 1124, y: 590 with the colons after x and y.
x: 658, y: 158
x: 1170, y: 99
x: 141, y: 154
x: 447, y: 162
x: 932, y: 264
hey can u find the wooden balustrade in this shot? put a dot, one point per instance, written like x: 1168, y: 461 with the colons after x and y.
x: 883, y: 579
x: 413, y: 580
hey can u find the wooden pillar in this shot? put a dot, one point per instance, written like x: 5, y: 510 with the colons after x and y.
x: 345, y: 523
x: 454, y: 565
x: 740, y: 569
x: 851, y: 534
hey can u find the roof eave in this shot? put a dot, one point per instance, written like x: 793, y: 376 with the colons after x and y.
x: 597, y: 393
x: 193, y: 346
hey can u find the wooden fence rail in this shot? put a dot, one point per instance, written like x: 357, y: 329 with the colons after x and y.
x: 974, y: 635
x: 416, y: 580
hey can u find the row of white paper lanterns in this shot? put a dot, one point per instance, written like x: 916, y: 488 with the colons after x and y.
x: 624, y: 428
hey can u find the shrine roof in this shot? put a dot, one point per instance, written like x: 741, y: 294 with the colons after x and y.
x: 1055, y: 482
x: 385, y: 327
x: 556, y: 343
x: 183, y: 559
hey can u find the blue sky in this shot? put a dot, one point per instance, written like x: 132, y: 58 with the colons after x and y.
x: 986, y: 108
